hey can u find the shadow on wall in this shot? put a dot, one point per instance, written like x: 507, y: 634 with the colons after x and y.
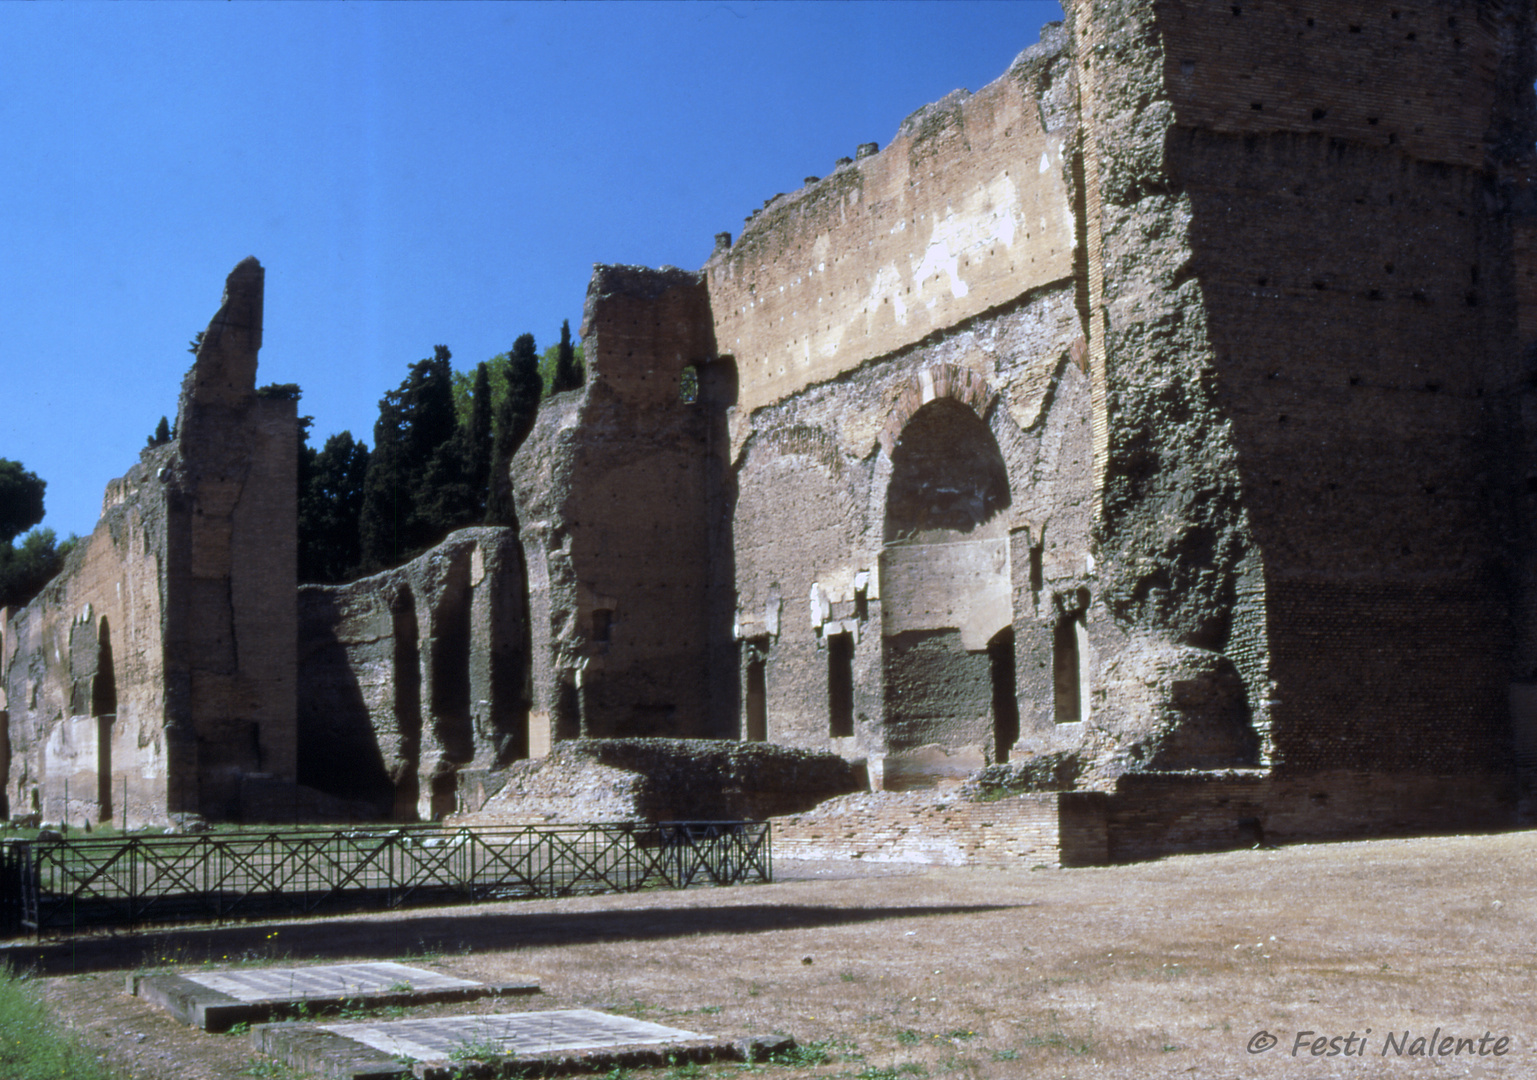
x: 338, y: 748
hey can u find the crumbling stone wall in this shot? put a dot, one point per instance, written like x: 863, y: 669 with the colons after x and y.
x: 414, y: 680
x: 1331, y: 309
x: 156, y: 672
x: 621, y: 492
x: 928, y: 465
x: 664, y: 780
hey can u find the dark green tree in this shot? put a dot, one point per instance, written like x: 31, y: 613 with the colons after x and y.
x: 567, y: 375
x: 27, y: 567
x: 162, y: 433
x: 330, y: 506
x: 21, y: 499
x: 398, y: 519
x: 514, y: 420
x: 24, y: 570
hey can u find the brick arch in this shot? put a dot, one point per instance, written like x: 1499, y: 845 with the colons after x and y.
x: 804, y: 441
x: 930, y: 384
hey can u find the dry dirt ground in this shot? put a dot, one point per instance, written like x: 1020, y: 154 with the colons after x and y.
x: 1168, y: 968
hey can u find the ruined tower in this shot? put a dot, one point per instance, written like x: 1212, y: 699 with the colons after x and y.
x: 155, y: 675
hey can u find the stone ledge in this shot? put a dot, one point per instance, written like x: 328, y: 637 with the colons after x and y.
x: 217, y: 1001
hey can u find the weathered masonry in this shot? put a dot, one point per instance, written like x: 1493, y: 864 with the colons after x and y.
x: 1154, y: 428
x: 1158, y: 411
x: 155, y: 675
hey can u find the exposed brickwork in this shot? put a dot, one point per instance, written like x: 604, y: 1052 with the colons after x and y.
x: 411, y: 677
x: 914, y: 827
x: 620, y: 494
x: 658, y: 780
x: 1154, y: 814
x: 157, y: 670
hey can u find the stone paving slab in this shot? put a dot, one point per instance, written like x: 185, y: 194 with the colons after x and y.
x: 217, y: 1000
x: 552, y: 1041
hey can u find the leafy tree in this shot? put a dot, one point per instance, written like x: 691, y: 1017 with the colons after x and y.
x: 330, y: 506
x: 514, y: 420
x: 397, y: 520
x: 196, y: 343
x: 162, y: 433
x: 549, y: 360
x: 21, y: 499
x: 25, y: 569
x: 567, y: 375
x: 285, y: 391
x: 464, y: 388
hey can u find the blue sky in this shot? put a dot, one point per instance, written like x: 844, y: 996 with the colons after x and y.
x: 409, y: 174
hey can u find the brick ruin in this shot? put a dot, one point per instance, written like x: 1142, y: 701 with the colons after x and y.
x: 1152, y: 430
x: 154, y: 677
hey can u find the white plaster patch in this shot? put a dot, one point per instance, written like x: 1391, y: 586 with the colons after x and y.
x: 986, y: 219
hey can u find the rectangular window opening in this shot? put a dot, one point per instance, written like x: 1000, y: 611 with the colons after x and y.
x: 757, y: 700
x: 1070, y: 653
x: 840, y: 685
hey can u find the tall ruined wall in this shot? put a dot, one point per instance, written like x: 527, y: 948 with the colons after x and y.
x: 619, y: 495
x: 921, y: 464
x: 84, y: 668
x: 1334, y: 291
x: 159, y: 665
x: 964, y: 211
x: 415, y: 678
x: 233, y: 566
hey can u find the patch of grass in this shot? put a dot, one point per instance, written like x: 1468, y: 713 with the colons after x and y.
x: 1058, y: 1040
x: 820, y: 1052
x: 909, y: 1037
x: 1005, y: 1055
x: 239, y: 1029
x: 476, y: 1049
x: 270, y: 1069
x: 891, y: 1072
x: 32, y: 1046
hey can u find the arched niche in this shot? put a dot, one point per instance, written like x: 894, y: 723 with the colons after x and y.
x: 945, y: 582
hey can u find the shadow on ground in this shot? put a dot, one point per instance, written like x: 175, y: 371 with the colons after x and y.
x: 464, y: 931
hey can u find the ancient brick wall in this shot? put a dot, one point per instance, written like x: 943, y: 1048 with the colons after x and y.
x: 964, y: 639
x: 1339, y: 166
x: 657, y: 780
x: 410, y: 678
x: 967, y: 208
x: 98, y: 626
x: 157, y: 670
x: 621, y: 492
x: 1154, y: 814
x: 1040, y: 829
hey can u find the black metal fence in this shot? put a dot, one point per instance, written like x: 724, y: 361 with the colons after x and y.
x: 61, y: 886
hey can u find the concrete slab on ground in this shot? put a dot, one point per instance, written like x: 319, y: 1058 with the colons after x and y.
x: 509, y: 1043
x: 217, y: 1000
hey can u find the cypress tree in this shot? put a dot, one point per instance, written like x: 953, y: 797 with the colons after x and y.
x: 478, y: 438
x: 514, y: 420
x: 400, y: 516
x: 567, y: 375
x: 162, y: 433
x: 330, y: 505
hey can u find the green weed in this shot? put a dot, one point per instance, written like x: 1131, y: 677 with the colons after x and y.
x: 477, y: 1049
x: 33, y: 1046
